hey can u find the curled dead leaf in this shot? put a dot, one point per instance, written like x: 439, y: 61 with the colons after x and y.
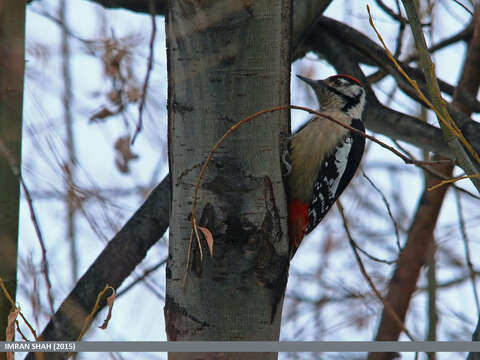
x: 101, y: 114
x: 208, y: 237
x: 12, y: 317
x: 110, y: 301
x: 124, y: 154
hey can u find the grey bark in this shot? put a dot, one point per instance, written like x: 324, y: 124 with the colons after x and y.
x: 227, y: 60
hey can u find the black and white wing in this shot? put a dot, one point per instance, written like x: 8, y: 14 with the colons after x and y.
x: 335, y: 173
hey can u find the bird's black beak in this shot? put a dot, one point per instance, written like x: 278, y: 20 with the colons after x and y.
x: 313, y: 83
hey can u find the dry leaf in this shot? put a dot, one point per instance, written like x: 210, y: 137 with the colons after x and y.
x: 10, y: 331
x: 101, y: 114
x: 209, y: 237
x: 124, y: 154
x: 133, y: 94
x: 110, y: 301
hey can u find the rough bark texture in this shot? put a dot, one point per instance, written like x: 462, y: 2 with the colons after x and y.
x: 12, y: 60
x: 420, y: 239
x: 227, y: 60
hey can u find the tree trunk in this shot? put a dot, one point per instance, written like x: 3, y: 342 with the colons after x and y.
x: 12, y: 60
x: 227, y: 60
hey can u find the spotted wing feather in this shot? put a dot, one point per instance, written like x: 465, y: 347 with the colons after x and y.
x: 334, y: 174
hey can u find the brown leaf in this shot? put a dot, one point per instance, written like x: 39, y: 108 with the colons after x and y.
x: 10, y: 331
x: 115, y: 96
x: 110, y: 301
x: 124, y: 154
x: 101, y: 114
x: 208, y: 237
x: 133, y: 94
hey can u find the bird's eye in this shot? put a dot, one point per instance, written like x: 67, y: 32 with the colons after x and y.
x: 338, y: 82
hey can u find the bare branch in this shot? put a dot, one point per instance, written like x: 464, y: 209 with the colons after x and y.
x: 403, y: 282
x: 149, y: 71
x: 462, y: 35
x: 468, y: 257
x: 399, y: 321
x: 387, y: 205
x: 454, y: 140
x: 146, y: 226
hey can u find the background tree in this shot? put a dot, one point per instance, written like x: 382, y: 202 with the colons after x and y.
x: 12, y: 53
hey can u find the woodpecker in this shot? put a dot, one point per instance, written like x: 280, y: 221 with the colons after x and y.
x: 324, y: 156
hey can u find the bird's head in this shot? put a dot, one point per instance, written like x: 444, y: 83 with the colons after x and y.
x: 339, y: 93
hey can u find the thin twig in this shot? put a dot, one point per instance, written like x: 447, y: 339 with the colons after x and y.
x: 385, y: 303
x: 458, y: 188
x: 96, y: 308
x: 374, y: 258
x: 145, y: 274
x: 444, y: 117
x: 149, y: 71
x: 14, y: 306
x: 189, y: 251
x: 449, y: 181
x: 463, y: 6
x: 16, y: 171
x: 398, y: 17
x: 445, y: 180
x: 461, y: 35
x: 38, y: 232
x: 387, y: 205
x: 468, y: 257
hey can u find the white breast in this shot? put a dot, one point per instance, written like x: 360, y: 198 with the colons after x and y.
x: 308, y: 148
